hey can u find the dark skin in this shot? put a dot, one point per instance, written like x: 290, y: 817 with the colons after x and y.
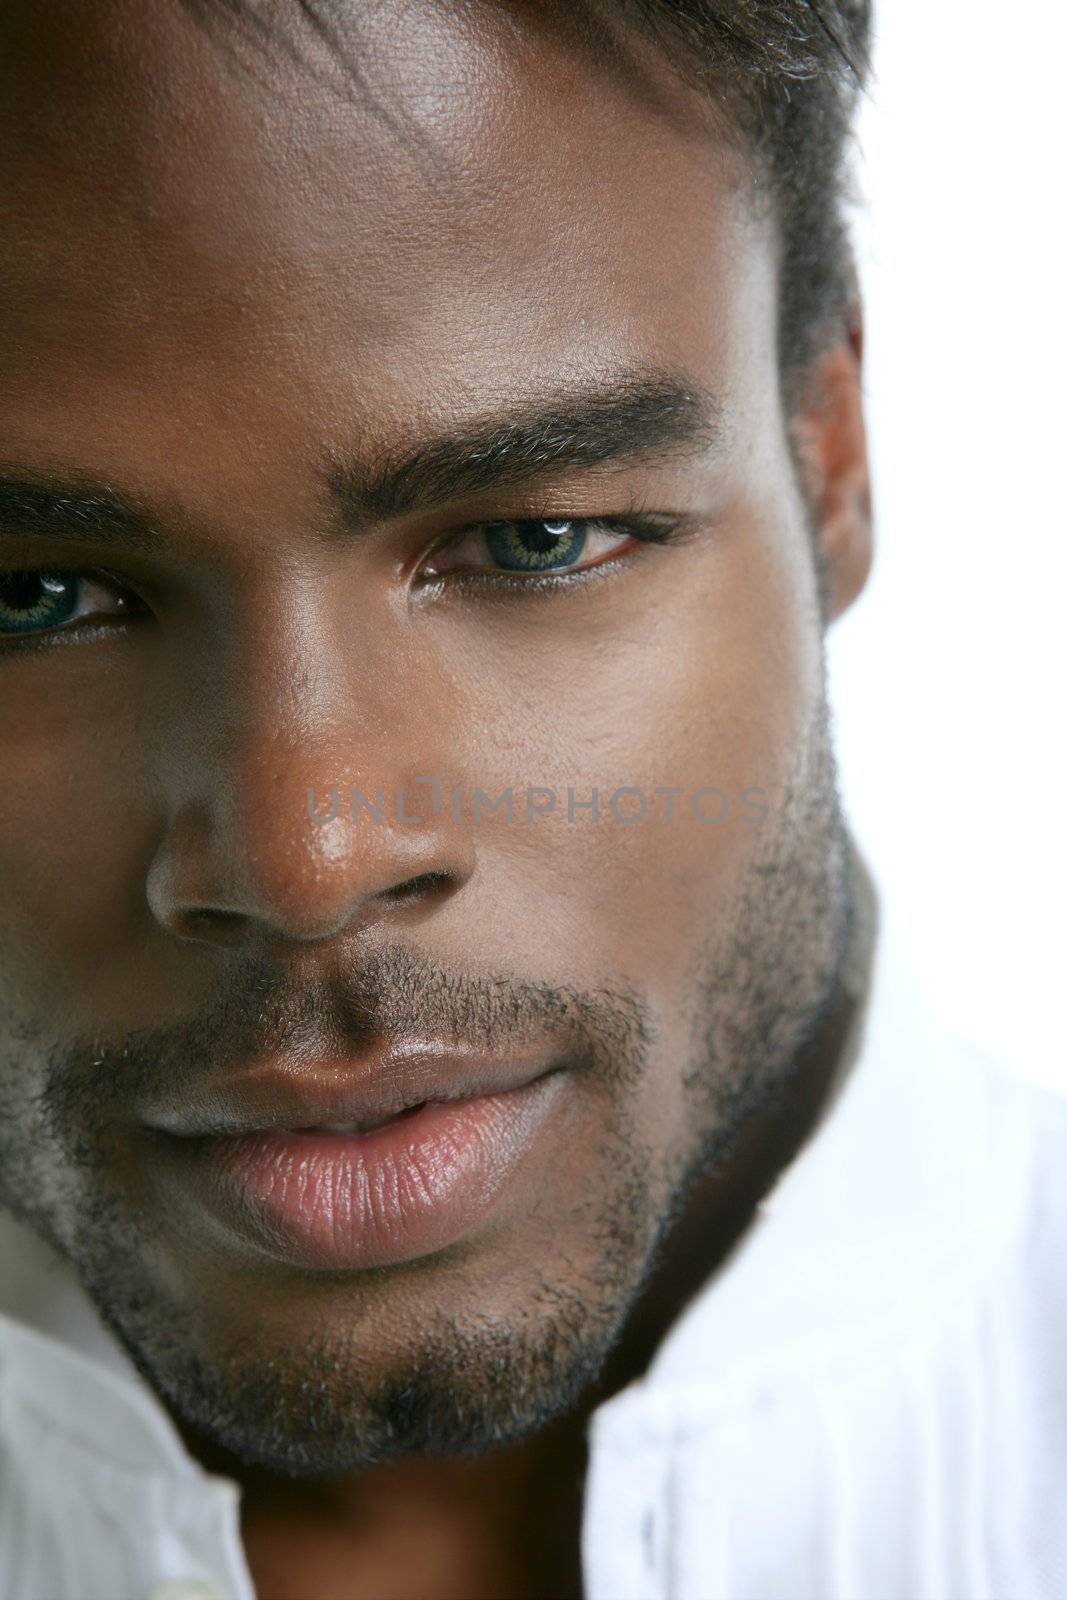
x: 509, y: 1522
x: 216, y: 280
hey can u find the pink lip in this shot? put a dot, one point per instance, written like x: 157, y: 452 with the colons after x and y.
x: 320, y: 1199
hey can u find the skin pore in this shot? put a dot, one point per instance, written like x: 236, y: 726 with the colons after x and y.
x: 280, y: 341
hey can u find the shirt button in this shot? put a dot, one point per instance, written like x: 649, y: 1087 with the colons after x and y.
x: 186, y: 1589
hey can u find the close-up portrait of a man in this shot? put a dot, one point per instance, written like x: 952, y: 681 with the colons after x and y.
x: 468, y: 1130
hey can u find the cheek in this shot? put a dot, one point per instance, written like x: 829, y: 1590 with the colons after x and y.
x: 75, y: 838
x: 697, y: 671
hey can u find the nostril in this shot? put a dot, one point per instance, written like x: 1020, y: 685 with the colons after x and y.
x: 209, y: 919
x: 424, y: 883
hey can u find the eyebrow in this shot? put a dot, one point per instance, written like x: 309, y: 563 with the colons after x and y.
x: 619, y: 421
x: 74, y: 508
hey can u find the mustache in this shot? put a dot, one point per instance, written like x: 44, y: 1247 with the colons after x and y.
x: 393, y: 993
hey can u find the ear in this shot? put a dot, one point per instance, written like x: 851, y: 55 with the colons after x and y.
x: 830, y: 441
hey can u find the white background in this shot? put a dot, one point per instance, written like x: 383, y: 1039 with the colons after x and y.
x: 948, y: 676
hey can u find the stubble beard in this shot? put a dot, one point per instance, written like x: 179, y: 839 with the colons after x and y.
x: 465, y: 1384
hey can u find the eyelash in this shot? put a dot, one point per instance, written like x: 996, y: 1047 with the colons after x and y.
x: 644, y: 527
x: 83, y: 627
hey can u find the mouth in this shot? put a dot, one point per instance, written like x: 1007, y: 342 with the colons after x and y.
x: 367, y: 1125
x: 278, y: 1092
x: 323, y: 1170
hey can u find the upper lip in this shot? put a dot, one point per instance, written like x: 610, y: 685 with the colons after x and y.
x: 277, y: 1093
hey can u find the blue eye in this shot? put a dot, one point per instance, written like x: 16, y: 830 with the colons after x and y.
x: 535, y: 546
x: 41, y: 601
x: 553, y: 546
x: 32, y: 600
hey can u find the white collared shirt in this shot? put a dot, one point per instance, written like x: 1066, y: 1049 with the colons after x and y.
x: 868, y: 1402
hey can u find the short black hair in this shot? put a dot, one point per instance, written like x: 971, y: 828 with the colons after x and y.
x: 782, y: 75
x: 788, y: 74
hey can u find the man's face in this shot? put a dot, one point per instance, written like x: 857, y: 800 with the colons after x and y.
x: 240, y: 284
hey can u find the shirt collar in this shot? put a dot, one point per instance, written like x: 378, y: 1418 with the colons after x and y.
x: 60, y: 1356
x: 884, y: 1209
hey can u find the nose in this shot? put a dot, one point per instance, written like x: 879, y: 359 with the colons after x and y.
x: 302, y: 825
x: 270, y: 875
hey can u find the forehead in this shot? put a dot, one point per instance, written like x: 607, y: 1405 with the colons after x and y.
x: 444, y: 205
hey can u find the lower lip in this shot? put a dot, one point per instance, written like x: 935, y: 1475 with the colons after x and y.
x: 347, y: 1200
